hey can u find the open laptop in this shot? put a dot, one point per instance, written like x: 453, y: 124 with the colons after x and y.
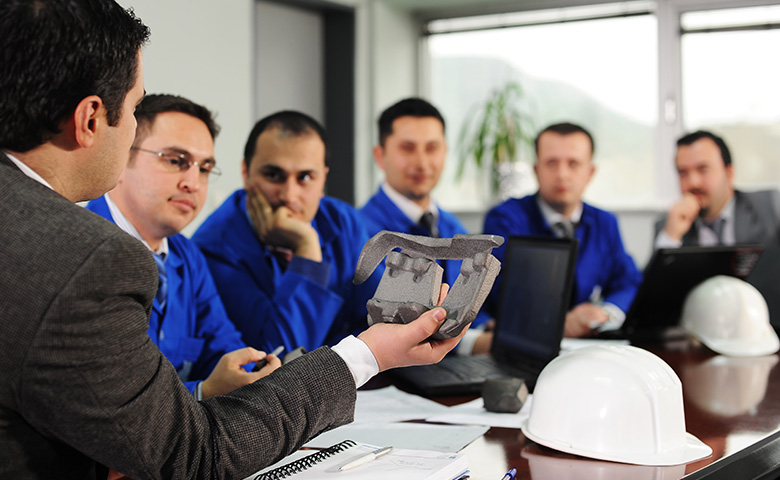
x: 537, y: 278
x: 765, y: 278
x: 670, y: 274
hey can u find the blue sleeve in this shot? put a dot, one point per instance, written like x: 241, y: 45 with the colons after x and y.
x: 355, y: 312
x: 287, y: 309
x: 191, y: 385
x: 212, y: 323
x: 497, y: 222
x: 624, y: 277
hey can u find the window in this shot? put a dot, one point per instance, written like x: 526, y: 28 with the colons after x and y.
x: 601, y: 73
x: 730, y: 81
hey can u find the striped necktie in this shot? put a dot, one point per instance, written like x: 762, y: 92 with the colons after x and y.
x: 162, y: 291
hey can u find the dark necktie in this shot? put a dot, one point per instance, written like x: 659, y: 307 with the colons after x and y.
x: 717, y: 227
x: 162, y: 291
x: 564, y: 229
x: 283, y: 256
x: 426, y: 221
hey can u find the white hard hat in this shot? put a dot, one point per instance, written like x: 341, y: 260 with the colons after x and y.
x: 612, y: 402
x: 559, y: 467
x: 731, y: 317
x: 728, y: 386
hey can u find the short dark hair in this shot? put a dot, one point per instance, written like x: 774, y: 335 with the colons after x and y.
x: 698, y: 135
x: 290, y: 123
x: 408, y: 107
x: 153, y: 105
x: 55, y: 53
x: 565, y: 128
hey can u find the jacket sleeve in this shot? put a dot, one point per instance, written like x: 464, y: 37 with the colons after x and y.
x: 212, y: 322
x: 624, y: 276
x: 95, y: 381
x: 497, y: 222
x: 273, y: 308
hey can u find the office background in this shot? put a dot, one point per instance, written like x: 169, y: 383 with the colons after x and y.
x: 344, y: 61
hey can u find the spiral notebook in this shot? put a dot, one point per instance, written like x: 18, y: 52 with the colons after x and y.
x: 399, y: 463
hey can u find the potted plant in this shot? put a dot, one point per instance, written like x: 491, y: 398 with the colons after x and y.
x: 498, y: 132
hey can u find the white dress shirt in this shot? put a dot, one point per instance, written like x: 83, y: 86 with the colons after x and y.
x: 707, y: 236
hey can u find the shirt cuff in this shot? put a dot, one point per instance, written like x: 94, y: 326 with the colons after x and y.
x: 198, y: 391
x: 360, y: 361
x: 466, y: 344
x: 615, y: 320
x: 318, y: 272
x: 663, y: 240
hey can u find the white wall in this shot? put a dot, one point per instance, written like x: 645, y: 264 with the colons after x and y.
x: 392, y: 75
x: 289, y: 67
x: 202, y: 50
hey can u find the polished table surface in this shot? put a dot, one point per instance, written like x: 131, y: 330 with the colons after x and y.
x: 731, y: 404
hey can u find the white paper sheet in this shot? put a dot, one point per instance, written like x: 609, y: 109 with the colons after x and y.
x: 415, y: 436
x: 474, y: 413
x: 389, y: 404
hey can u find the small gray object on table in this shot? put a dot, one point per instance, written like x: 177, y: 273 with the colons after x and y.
x: 504, y: 395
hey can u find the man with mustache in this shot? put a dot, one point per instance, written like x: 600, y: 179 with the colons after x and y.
x: 711, y: 211
x: 283, y: 255
x: 161, y: 190
x: 606, y: 278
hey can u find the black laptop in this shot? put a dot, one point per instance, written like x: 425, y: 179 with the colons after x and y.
x: 537, y: 278
x: 670, y: 274
x: 766, y: 278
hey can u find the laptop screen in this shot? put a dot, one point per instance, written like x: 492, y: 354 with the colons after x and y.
x: 536, y: 282
x: 673, y: 272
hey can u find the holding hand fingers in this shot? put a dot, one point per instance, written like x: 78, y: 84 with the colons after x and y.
x: 681, y: 216
x: 281, y: 228
x: 229, y: 373
x: 399, y: 345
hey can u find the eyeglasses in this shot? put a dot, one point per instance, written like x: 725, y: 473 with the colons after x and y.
x: 181, y: 162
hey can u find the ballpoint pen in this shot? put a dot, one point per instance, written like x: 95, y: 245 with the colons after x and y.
x: 510, y: 475
x: 365, y: 458
x: 262, y: 363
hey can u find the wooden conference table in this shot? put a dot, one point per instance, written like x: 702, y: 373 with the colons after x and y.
x: 731, y: 404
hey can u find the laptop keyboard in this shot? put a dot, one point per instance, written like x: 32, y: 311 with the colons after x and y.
x: 476, y: 368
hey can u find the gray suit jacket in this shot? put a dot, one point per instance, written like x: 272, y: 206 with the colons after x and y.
x: 756, y: 218
x: 80, y: 380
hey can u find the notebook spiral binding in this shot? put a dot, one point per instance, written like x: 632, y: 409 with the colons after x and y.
x: 302, y: 464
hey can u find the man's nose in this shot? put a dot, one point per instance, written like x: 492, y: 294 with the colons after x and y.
x: 191, y: 179
x: 289, y: 191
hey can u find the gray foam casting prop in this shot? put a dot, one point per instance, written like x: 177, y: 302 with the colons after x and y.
x: 504, y: 395
x: 412, y: 279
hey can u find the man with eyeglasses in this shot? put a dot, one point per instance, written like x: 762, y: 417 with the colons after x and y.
x: 161, y: 190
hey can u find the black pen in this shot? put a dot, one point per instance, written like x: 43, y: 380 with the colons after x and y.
x: 262, y: 363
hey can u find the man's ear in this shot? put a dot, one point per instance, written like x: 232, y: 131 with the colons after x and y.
x: 244, y: 173
x: 592, y: 171
x: 379, y: 156
x: 325, y: 174
x: 87, y: 118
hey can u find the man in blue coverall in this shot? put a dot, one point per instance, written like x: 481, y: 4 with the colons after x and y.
x: 161, y: 190
x: 412, y: 150
x: 283, y: 255
x: 606, y: 278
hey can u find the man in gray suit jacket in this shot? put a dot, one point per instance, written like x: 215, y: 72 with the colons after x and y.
x: 710, y: 211
x: 81, y: 383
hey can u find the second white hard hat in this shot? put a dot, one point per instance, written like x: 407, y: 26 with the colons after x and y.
x: 730, y: 317
x: 612, y: 402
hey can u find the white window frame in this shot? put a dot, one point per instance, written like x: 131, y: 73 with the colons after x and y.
x: 670, y: 121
